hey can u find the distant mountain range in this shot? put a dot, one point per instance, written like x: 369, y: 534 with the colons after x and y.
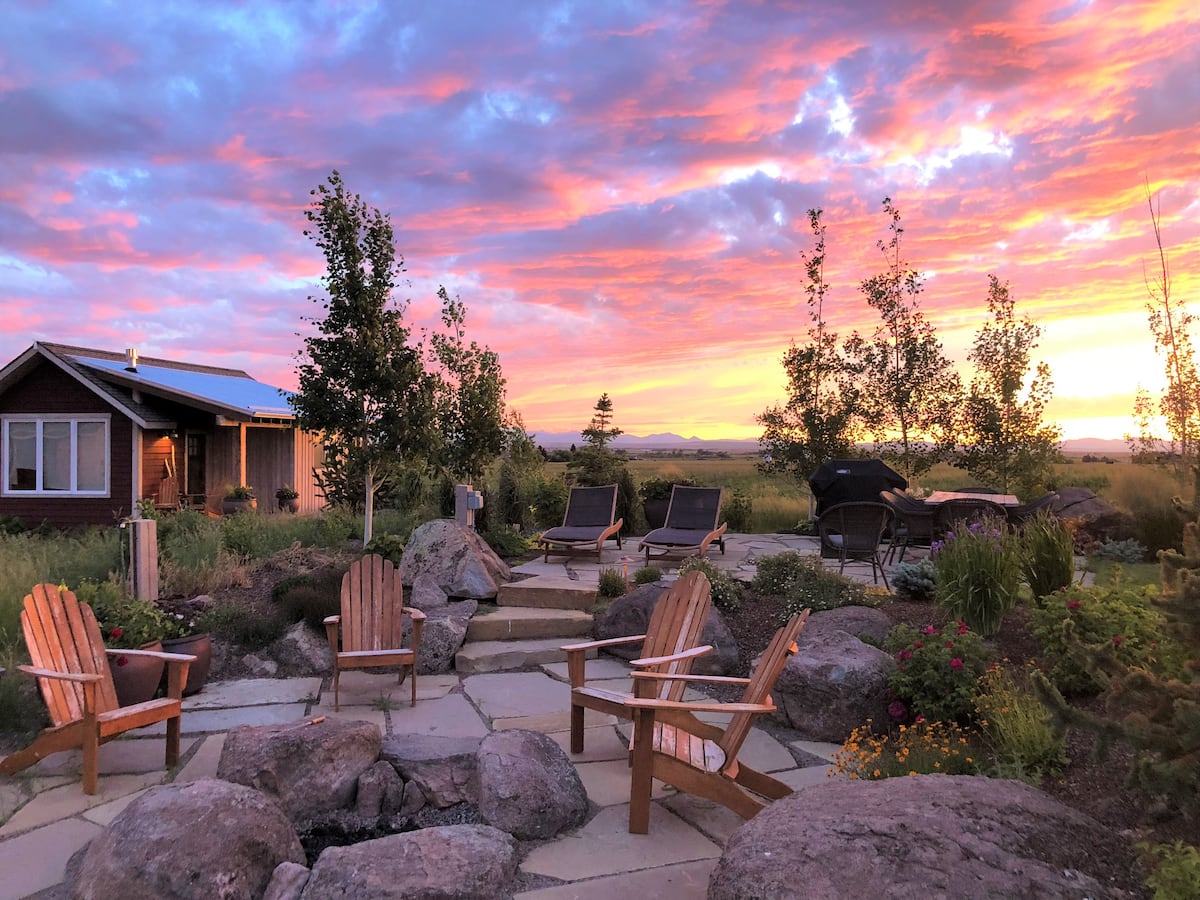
x: 669, y: 441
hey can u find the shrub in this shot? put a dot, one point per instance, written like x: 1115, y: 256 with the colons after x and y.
x: 549, y: 502
x: 915, y: 579
x: 804, y: 583
x: 309, y: 597
x: 1047, y: 554
x: 978, y: 575
x: 726, y: 593
x: 22, y: 712
x: 506, y: 542
x: 647, y: 575
x: 936, y: 673
x: 241, y: 534
x: 1176, y: 874
x: 123, y: 620
x: 1128, y: 551
x: 737, y: 510
x: 389, y: 546
x: 242, y: 626
x: 612, y: 583
x: 1017, y: 726
x: 926, y: 748
x: 1117, y: 619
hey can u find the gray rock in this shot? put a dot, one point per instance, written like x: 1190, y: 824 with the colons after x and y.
x: 413, y: 799
x: 426, y: 594
x: 259, y: 667
x: 528, y: 786
x: 457, y: 559
x: 441, y: 638
x: 453, y: 862
x: 833, y: 685
x: 630, y: 614
x: 302, y: 651
x: 444, y: 768
x: 375, y: 787
x: 287, y: 882
x: 859, y: 621
x: 204, y: 839
x: 919, y: 837
x: 308, y: 769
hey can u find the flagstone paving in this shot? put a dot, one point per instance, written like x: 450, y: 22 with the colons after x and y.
x: 45, y: 817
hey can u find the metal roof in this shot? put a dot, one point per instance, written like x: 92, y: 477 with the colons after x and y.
x: 236, y: 394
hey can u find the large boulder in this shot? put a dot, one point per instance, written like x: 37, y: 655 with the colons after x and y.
x: 528, y: 786
x: 860, y: 621
x: 918, y: 837
x: 443, y: 634
x: 458, y: 560
x: 309, y: 768
x: 302, y: 651
x: 1092, y: 519
x: 203, y: 839
x: 444, y: 768
x: 832, y: 685
x: 630, y: 614
x: 451, y: 862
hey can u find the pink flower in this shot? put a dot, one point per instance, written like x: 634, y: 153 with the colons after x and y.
x: 917, y: 645
x: 115, y: 633
x: 1073, y: 604
x: 1117, y: 640
x: 956, y: 664
x: 928, y: 629
x: 897, y: 710
x: 920, y: 718
x: 962, y: 627
x: 122, y: 660
x: 904, y: 655
x: 949, y: 645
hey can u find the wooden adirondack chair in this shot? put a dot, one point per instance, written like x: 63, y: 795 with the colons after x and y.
x: 670, y: 744
x: 167, y: 499
x: 669, y: 646
x: 371, y: 623
x: 70, y: 665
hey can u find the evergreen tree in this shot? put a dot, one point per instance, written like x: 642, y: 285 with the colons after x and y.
x: 600, y: 430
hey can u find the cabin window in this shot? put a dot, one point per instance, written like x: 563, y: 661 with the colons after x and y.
x: 55, y: 455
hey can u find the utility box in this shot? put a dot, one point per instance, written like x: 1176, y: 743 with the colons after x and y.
x: 466, y: 501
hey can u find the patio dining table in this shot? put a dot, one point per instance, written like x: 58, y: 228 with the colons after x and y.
x: 937, y: 498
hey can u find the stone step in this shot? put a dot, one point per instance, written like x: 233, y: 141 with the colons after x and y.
x: 507, y: 623
x: 497, y: 656
x: 548, y: 592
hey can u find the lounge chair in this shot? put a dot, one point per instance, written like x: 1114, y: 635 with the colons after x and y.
x: 952, y: 513
x: 914, y: 523
x: 1019, y: 515
x: 590, y: 520
x: 691, y: 525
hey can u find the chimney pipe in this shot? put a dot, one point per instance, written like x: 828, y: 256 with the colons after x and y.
x: 131, y: 356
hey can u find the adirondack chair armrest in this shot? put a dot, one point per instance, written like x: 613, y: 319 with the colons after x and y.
x: 702, y: 650
x: 607, y: 642
x: 80, y: 677
x: 332, y: 620
x: 417, y: 615
x: 683, y: 706
x: 156, y: 654
x: 709, y: 679
x: 712, y: 537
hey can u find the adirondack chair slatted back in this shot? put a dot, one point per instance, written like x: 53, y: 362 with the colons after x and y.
x: 62, y: 634
x: 762, y: 680
x: 694, y: 508
x: 372, y: 599
x: 168, y: 493
x: 588, y: 507
x: 676, y: 625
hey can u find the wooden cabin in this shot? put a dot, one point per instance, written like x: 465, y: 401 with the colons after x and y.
x: 85, y: 434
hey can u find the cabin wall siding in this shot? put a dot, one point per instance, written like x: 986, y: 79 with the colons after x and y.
x: 47, y: 390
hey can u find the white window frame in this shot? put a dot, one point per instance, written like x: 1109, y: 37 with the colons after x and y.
x: 40, y: 421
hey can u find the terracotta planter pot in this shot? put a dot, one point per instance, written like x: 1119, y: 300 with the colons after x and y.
x: 291, y: 504
x: 229, y: 507
x: 199, y: 646
x: 136, y: 678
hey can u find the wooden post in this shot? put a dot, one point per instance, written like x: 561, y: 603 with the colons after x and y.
x: 143, y: 558
x: 466, y: 501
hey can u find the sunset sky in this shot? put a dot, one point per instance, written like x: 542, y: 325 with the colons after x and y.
x: 616, y: 190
